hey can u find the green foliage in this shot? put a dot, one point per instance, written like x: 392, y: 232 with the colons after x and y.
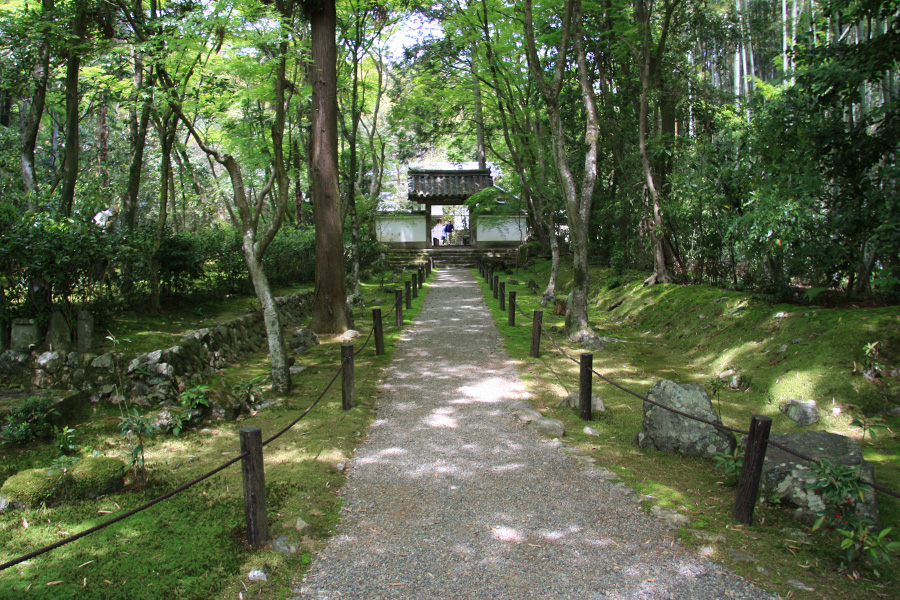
x: 29, y: 421
x: 249, y: 390
x: 65, y: 440
x: 614, y: 282
x: 865, y: 542
x: 840, y: 488
x: 872, y: 362
x: 868, y: 425
x: 730, y: 463
x: 190, y: 401
x: 134, y: 425
x: 291, y: 257
x: 61, y: 464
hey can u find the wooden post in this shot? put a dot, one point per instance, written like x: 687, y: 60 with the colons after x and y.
x: 501, y: 294
x: 415, y: 285
x: 751, y: 472
x: 536, y: 333
x: 347, y: 376
x: 398, y: 307
x: 378, y: 328
x: 584, y: 387
x: 408, y: 286
x: 421, y: 277
x: 491, y: 281
x: 253, y: 474
x: 512, y: 309
x: 496, y: 287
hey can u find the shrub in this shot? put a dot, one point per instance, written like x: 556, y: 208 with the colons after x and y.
x: 29, y: 421
x: 291, y: 257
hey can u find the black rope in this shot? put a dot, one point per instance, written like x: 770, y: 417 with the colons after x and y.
x: 366, y: 343
x: 719, y: 426
x: 168, y: 495
x: 309, y: 408
x: 121, y: 517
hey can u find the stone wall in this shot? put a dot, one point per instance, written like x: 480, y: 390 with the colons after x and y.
x: 154, y: 377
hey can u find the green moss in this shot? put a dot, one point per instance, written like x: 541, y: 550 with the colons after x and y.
x: 191, y: 545
x: 32, y: 487
x: 87, y: 478
x: 93, y: 477
x: 692, y: 334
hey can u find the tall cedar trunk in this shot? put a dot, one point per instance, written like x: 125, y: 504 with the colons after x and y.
x: 330, y: 313
x: 578, y: 202
x: 167, y: 140
x: 39, y: 75
x: 73, y: 66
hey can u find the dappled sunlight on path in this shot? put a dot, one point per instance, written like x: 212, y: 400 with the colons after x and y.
x: 450, y: 497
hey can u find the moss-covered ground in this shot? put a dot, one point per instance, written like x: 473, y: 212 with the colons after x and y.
x: 693, y: 334
x: 191, y: 545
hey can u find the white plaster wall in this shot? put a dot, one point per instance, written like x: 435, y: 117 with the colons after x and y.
x: 400, y: 228
x: 508, y: 228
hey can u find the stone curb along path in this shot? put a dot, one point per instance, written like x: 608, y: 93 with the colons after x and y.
x: 452, y: 496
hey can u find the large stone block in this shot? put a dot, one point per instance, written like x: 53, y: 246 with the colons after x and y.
x: 84, y: 331
x: 24, y: 334
x: 670, y: 432
x: 59, y: 336
x: 788, y: 477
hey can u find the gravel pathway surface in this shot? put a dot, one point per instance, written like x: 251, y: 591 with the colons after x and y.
x: 450, y: 497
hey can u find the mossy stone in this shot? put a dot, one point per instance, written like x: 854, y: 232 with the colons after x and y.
x: 88, y: 478
x: 93, y: 477
x: 30, y: 488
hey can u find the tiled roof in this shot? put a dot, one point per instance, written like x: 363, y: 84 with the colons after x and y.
x: 435, y: 186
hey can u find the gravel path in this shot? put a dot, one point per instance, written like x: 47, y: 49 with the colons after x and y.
x: 449, y: 497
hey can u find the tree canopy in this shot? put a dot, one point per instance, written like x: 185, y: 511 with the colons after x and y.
x: 750, y: 144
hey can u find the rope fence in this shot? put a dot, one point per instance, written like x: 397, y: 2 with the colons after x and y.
x: 252, y: 445
x: 758, y: 435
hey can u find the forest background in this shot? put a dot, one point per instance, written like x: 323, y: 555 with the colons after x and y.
x: 749, y: 145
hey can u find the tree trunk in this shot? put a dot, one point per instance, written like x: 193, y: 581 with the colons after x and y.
x: 39, y: 74
x: 650, y: 66
x: 167, y: 139
x: 140, y: 123
x: 330, y: 313
x: 479, y: 118
x: 73, y: 106
x: 529, y: 164
x: 281, y: 370
x: 578, y: 202
x: 103, y: 153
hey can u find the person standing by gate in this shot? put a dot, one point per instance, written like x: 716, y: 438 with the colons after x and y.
x: 448, y: 231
